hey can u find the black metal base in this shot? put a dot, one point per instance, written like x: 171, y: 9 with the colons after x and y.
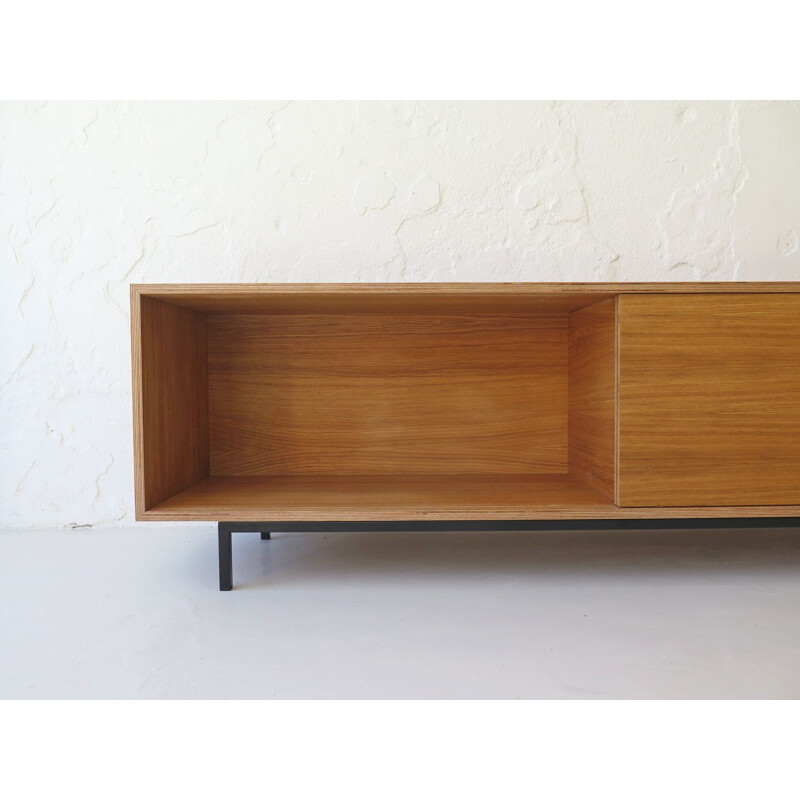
x: 225, y: 529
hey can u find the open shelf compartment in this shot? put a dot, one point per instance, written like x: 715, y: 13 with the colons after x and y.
x: 384, y: 403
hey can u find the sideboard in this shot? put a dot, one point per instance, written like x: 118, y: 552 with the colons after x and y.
x: 484, y: 406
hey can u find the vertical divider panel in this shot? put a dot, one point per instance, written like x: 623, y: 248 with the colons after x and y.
x: 592, y: 425
x: 170, y: 393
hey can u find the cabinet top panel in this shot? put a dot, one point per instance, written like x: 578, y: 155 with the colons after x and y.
x: 404, y: 298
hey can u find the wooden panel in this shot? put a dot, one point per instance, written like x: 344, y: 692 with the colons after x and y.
x: 592, y: 395
x: 351, y: 497
x: 709, y: 400
x: 364, y: 394
x: 410, y: 498
x: 322, y: 299
x: 170, y: 390
x: 429, y: 298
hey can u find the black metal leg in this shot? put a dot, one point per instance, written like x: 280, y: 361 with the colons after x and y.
x: 225, y: 558
x: 265, y: 535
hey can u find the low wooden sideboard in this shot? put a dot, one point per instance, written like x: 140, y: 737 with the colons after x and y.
x: 466, y: 406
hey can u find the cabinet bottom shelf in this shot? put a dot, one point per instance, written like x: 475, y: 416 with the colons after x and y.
x: 382, y: 497
x: 376, y: 498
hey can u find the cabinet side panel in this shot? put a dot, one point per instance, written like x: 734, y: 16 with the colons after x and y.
x: 709, y: 400
x: 387, y: 394
x: 592, y: 395
x: 171, y: 401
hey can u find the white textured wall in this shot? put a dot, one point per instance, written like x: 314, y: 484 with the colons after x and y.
x: 94, y: 196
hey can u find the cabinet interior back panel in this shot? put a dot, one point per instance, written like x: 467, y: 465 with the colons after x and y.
x: 387, y: 394
x: 709, y: 400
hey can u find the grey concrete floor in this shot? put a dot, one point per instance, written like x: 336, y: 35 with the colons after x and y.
x: 135, y: 613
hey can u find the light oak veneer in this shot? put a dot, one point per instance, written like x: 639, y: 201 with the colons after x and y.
x: 362, y: 402
x: 417, y: 499
x: 709, y: 400
x: 391, y: 395
x: 592, y: 395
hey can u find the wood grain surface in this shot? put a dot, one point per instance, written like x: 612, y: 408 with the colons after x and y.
x: 417, y: 298
x: 379, y: 497
x: 592, y: 395
x: 709, y: 400
x: 170, y: 393
x: 387, y: 497
x: 347, y: 303
x: 458, y: 401
x: 387, y: 394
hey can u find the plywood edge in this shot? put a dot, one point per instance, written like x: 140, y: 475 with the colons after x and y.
x: 503, y: 299
x: 600, y: 512
x: 506, y: 299
x: 136, y: 383
x: 667, y: 287
x: 617, y: 328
